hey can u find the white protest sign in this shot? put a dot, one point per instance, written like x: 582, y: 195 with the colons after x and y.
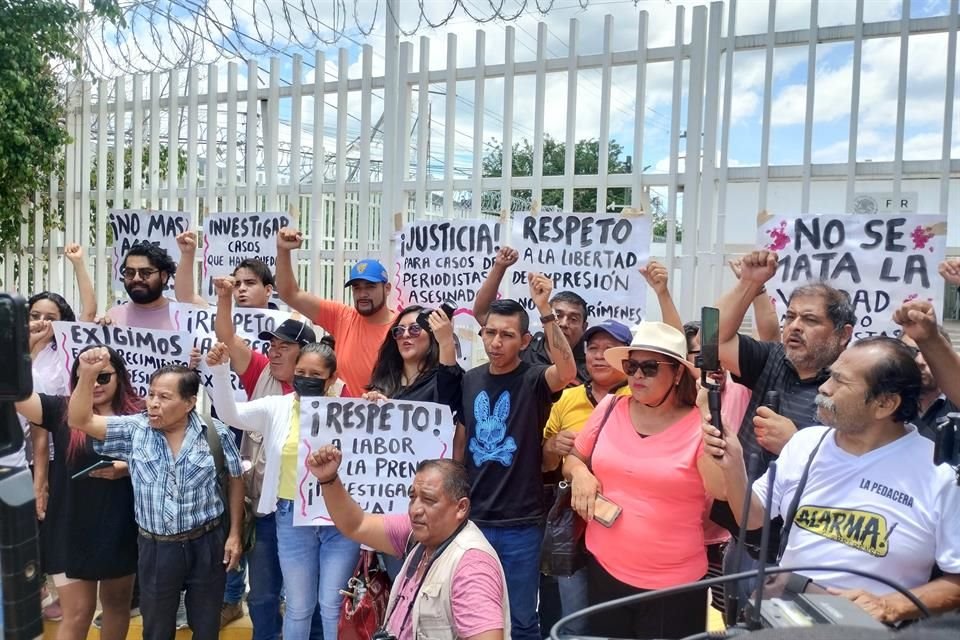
x: 230, y: 238
x: 381, y: 444
x: 881, y: 260
x: 159, y: 228
x: 143, y: 350
x: 597, y: 256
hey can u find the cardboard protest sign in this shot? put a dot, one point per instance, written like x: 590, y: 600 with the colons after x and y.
x: 230, y: 238
x: 596, y: 256
x: 381, y: 444
x: 143, y: 350
x: 160, y: 228
x: 881, y: 260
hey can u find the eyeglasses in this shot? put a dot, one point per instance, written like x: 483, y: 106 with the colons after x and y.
x: 413, y: 330
x: 145, y: 274
x: 104, y: 378
x: 649, y: 368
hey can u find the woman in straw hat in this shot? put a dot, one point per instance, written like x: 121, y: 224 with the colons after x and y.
x: 640, y: 481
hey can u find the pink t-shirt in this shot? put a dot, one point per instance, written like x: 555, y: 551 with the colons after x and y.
x: 476, y: 595
x: 733, y: 406
x: 656, y: 482
x: 132, y: 315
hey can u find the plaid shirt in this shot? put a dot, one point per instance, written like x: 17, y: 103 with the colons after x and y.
x: 171, y: 495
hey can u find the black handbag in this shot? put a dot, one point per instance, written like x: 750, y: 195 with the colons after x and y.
x: 564, y: 552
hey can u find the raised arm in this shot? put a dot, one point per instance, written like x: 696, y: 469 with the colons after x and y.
x: 185, y: 285
x: 919, y: 321
x: 88, y: 298
x: 487, y: 294
x: 765, y: 319
x: 289, y: 240
x: 757, y: 268
x: 658, y: 279
x: 347, y: 516
x: 246, y: 416
x: 563, y: 371
x: 80, y: 414
x: 240, y: 352
x: 443, y: 331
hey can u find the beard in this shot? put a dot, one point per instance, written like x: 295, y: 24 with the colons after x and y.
x: 370, y: 309
x: 816, y: 358
x: 145, y: 293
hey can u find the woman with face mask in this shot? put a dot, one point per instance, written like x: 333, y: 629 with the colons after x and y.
x: 89, y: 541
x: 316, y: 562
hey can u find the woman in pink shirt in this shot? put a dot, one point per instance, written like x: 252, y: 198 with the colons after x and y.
x: 646, y: 458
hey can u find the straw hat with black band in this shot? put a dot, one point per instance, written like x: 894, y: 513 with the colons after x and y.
x: 655, y: 337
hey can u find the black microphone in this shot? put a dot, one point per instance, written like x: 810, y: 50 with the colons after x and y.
x: 753, y: 619
x: 731, y: 598
x: 771, y: 400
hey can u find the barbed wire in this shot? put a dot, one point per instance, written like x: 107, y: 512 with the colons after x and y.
x: 165, y: 34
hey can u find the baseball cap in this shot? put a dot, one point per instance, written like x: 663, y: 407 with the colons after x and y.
x: 291, y: 331
x: 369, y: 270
x: 617, y: 330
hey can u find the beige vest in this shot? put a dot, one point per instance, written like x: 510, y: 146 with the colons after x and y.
x: 433, y: 612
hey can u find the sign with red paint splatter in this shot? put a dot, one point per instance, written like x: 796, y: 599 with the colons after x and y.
x: 881, y: 261
x: 382, y: 444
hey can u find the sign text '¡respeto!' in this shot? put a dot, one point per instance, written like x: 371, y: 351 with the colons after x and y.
x: 371, y: 417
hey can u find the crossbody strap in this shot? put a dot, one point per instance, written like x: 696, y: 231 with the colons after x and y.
x: 603, y: 423
x: 795, y: 503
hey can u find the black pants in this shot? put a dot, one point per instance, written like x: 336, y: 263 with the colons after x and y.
x: 671, y: 617
x: 166, y: 568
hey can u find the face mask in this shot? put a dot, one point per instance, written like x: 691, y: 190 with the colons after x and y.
x: 305, y: 386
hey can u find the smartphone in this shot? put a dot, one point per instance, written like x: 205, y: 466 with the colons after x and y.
x: 100, y: 464
x: 710, y: 338
x: 605, y: 512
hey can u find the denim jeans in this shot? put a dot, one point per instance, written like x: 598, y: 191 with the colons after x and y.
x: 573, y: 597
x: 519, y: 552
x: 316, y: 563
x: 236, y: 583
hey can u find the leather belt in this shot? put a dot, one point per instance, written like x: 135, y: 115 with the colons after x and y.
x: 186, y: 536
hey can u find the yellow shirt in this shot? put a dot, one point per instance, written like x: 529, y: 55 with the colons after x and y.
x: 572, y: 410
x: 288, y: 458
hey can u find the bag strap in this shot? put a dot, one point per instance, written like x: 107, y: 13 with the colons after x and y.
x: 795, y: 503
x: 216, y: 447
x: 603, y: 423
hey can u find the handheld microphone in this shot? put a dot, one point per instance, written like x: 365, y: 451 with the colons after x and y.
x: 771, y: 400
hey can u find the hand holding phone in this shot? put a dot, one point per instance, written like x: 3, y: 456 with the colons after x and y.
x: 605, y: 511
x: 99, y: 464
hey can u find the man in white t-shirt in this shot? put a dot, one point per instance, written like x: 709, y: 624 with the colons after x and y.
x: 873, y: 501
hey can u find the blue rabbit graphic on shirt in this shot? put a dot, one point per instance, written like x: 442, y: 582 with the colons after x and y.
x: 491, y: 442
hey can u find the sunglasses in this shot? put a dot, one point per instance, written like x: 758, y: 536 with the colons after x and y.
x: 104, y: 378
x: 413, y: 330
x: 649, y: 368
x: 145, y: 274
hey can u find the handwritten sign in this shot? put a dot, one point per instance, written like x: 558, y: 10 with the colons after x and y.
x: 230, y: 238
x: 160, y: 228
x: 381, y: 444
x: 143, y: 350
x: 596, y: 256
x: 881, y: 261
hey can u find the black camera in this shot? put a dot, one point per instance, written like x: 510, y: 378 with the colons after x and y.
x: 947, y: 445
x: 449, y: 307
x: 383, y: 634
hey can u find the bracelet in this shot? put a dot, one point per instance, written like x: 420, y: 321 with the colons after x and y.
x: 330, y: 481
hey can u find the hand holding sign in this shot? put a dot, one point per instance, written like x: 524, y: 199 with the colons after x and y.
x: 540, y: 289
x: 218, y: 354
x: 918, y: 320
x: 187, y: 242
x: 324, y: 463
x: 950, y: 270
x: 223, y: 286
x: 289, y: 239
x: 74, y: 253
x: 506, y: 257
x: 656, y: 276
x: 758, y: 267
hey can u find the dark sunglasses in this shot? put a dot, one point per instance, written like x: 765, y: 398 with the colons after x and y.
x: 104, y: 378
x: 145, y: 274
x: 649, y: 368
x: 413, y: 329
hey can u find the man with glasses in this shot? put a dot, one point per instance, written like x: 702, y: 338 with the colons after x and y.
x: 145, y: 270
x: 506, y: 403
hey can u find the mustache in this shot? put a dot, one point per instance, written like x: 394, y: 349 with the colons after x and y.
x: 823, y: 402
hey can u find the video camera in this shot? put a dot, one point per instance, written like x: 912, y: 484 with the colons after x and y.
x: 20, y: 575
x: 947, y: 447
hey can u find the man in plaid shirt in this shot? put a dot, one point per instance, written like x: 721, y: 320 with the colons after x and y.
x: 177, y: 501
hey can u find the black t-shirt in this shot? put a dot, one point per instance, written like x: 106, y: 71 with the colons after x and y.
x: 441, y: 385
x: 536, y: 353
x: 89, y: 531
x: 504, y: 416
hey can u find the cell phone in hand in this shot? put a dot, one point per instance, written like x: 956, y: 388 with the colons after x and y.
x: 100, y: 464
x: 605, y: 511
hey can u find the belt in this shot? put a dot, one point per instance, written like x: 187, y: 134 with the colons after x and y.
x: 192, y: 534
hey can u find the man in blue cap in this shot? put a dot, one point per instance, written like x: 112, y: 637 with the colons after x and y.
x: 359, y: 330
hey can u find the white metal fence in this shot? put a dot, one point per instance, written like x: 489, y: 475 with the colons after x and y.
x: 251, y: 137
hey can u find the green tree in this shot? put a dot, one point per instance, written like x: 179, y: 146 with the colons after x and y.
x: 586, y: 162
x: 34, y: 36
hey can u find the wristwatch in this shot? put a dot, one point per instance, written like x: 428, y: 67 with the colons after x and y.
x: 550, y: 317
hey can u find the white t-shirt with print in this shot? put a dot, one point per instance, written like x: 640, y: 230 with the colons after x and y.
x: 890, y: 512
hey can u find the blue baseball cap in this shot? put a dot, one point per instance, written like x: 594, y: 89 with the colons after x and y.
x: 369, y: 270
x: 617, y: 330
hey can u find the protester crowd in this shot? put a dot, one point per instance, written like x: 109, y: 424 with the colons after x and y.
x: 181, y: 510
